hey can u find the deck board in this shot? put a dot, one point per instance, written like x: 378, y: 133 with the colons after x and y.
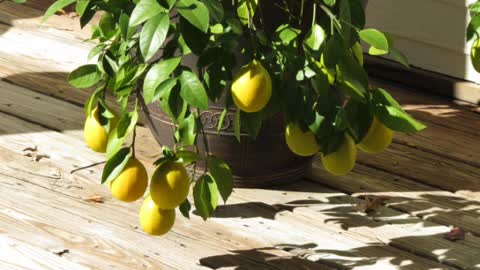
x: 431, y: 178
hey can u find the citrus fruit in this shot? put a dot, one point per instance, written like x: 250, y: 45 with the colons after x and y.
x: 358, y: 52
x: 475, y: 55
x: 300, y: 142
x: 94, y: 133
x: 378, y: 138
x: 169, y: 185
x: 252, y: 87
x: 131, y: 183
x: 342, y: 161
x: 155, y: 221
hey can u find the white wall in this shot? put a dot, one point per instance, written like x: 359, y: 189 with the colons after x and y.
x: 430, y: 32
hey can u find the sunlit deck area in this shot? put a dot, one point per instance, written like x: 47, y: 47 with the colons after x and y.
x: 414, y: 206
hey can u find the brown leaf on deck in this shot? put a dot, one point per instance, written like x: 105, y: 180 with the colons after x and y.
x: 370, y: 204
x: 32, y: 152
x: 455, y: 234
x: 95, y: 199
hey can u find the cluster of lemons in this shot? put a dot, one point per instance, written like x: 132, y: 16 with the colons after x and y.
x: 252, y: 90
x: 169, y: 184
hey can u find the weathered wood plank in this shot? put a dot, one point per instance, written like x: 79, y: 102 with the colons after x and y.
x: 240, y: 232
x: 406, y: 195
x: 68, y: 118
x: 30, y: 18
x: 425, y: 167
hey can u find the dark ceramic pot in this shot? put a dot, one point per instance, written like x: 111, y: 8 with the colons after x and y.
x: 262, y: 162
x: 265, y: 161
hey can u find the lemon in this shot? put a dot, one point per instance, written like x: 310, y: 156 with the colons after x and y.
x: 169, y: 185
x: 343, y: 160
x: 475, y: 55
x: 301, y: 143
x: 155, y: 221
x: 252, y: 87
x: 377, y: 139
x: 95, y: 135
x: 358, y: 52
x: 131, y: 183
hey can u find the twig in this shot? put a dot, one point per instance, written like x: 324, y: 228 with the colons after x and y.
x: 88, y: 166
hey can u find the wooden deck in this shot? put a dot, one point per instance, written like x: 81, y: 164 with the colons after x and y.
x: 51, y: 218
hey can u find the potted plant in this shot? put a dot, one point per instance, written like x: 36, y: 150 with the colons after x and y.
x: 288, y: 68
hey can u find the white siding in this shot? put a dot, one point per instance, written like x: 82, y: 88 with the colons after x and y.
x: 430, y: 32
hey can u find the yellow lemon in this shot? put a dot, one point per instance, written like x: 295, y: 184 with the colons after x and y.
x: 475, y: 55
x: 252, y: 87
x: 155, y: 221
x: 377, y: 139
x: 169, y: 185
x: 358, y: 52
x: 301, y: 143
x: 95, y: 135
x: 131, y: 183
x: 343, y: 160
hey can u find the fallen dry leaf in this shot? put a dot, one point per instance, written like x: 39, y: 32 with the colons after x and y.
x: 32, y: 152
x: 370, y: 204
x: 60, y: 252
x: 95, y: 199
x: 455, y: 234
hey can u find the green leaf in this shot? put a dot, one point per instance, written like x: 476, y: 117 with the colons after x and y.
x: 157, y: 74
x: 84, y: 76
x: 81, y: 6
x: 87, y: 15
x: 315, y: 37
x: 107, y: 25
x: 115, y: 165
x: 329, y: 3
x: 215, y: 8
x: 195, y: 39
x: 144, y: 10
x: 153, y: 35
x: 333, y: 51
x: 473, y: 27
x: 187, y: 130
x: 358, y: 13
x: 187, y: 156
x: 236, y: 125
x: 20, y: 1
x: 185, y: 208
x: 92, y: 100
x: 375, y: 38
x: 117, y: 137
x: 246, y: 9
x: 221, y: 120
x: 56, y: 6
x: 195, y: 12
x: 359, y: 118
x: 193, y: 91
x: 345, y: 16
x: 398, y: 56
x: 96, y: 51
x: 222, y: 175
x: 353, y: 75
x: 164, y: 88
x: 205, y: 195
x: 286, y: 34
x: 252, y: 123
x: 125, y: 29
x: 391, y: 113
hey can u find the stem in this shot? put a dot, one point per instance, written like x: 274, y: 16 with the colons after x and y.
x: 301, y: 13
x: 86, y: 167
x: 133, y: 141
x: 205, y: 141
x: 314, y: 15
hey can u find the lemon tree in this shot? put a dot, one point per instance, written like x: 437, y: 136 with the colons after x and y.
x: 305, y: 63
